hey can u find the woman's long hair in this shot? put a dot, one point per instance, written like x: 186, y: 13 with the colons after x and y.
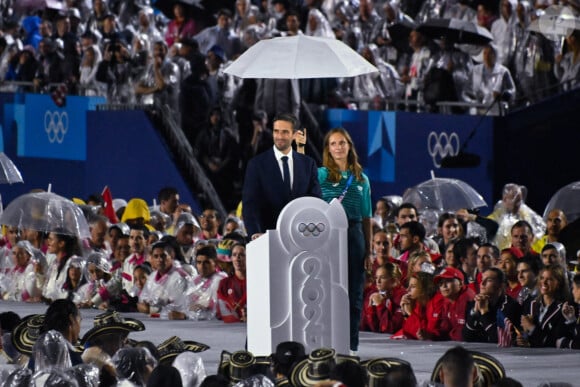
x: 562, y: 294
x: 353, y: 165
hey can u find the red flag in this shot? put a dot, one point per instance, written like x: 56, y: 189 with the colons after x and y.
x: 109, y: 209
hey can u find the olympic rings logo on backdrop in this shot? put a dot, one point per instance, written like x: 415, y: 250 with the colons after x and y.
x: 440, y: 145
x: 56, y: 125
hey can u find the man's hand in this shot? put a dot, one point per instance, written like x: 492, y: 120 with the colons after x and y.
x: 300, y: 139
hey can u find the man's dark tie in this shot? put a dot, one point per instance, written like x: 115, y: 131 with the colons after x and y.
x: 286, y: 174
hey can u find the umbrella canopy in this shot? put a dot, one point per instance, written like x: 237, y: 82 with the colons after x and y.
x: 456, y: 30
x: 555, y: 23
x: 46, y: 212
x: 299, y: 57
x: 442, y: 194
x: 399, y: 32
x: 566, y: 199
x: 9, y: 174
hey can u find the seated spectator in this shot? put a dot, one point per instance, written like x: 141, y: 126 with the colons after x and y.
x: 491, y: 84
x: 421, y: 307
x: 487, y: 257
x: 448, y: 228
x: 570, y: 311
x: 508, y: 262
x: 232, y: 290
x: 465, y: 251
x: 382, y: 308
x: 490, y: 306
x: 555, y: 222
x: 137, y: 243
x: 542, y: 318
x: 20, y: 282
x: 164, y: 292
x: 451, y: 285
x: 56, y: 279
x: 202, y: 297
x: 528, y: 270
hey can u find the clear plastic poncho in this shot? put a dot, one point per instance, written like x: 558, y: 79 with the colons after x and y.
x: 134, y: 364
x: 18, y: 378
x: 166, y: 292
x: 255, y: 381
x: 86, y: 375
x: 51, y: 350
x: 191, y: 368
x: 53, y: 377
x: 202, y: 300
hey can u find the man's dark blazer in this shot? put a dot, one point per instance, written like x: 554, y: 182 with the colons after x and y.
x: 264, y: 196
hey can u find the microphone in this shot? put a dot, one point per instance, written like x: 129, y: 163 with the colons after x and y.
x: 461, y: 160
x: 464, y: 159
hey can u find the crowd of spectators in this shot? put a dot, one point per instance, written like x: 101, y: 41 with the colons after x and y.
x: 133, y: 53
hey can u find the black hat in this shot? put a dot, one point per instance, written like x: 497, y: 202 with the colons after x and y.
x: 489, y: 369
x: 317, y: 367
x: 25, y: 334
x: 111, y: 322
x: 379, y: 368
x: 173, y: 346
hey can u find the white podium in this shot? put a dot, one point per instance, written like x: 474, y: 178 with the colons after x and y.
x: 297, y: 279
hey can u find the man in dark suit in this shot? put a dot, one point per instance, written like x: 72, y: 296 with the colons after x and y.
x: 265, y: 191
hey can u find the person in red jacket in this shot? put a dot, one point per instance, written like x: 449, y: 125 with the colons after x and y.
x: 421, y: 307
x: 451, y: 285
x: 232, y: 289
x: 382, y: 310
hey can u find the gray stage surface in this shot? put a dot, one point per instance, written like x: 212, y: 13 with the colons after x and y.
x: 530, y: 366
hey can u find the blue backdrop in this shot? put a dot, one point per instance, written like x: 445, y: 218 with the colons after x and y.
x: 399, y: 149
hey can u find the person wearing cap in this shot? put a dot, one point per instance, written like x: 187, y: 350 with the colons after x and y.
x: 20, y: 282
x: 164, y: 293
x: 232, y: 292
x: 508, y: 261
x: 451, y: 285
x: 224, y: 256
x: 287, y: 355
x: 202, y: 297
x: 490, y: 306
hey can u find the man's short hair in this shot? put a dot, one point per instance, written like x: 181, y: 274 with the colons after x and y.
x: 166, y: 193
x: 141, y: 228
x: 406, y: 205
x: 500, y: 274
x: 460, y: 247
x: 288, y: 117
x: 494, y: 249
x: 522, y: 224
x: 457, y: 365
x: 415, y: 229
x: 208, y: 251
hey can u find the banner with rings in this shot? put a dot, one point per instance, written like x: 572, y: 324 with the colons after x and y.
x: 48, y: 131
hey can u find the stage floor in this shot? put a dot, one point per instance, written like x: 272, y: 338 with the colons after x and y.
x: 532, y: 367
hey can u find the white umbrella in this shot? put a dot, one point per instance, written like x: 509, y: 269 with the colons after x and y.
x: 299, y: 57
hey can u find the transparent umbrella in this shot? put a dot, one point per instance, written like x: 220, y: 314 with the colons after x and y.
x: 46, y: 212
x: 9, y: 174
x: 443, y: 194
x: 566, y: 199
